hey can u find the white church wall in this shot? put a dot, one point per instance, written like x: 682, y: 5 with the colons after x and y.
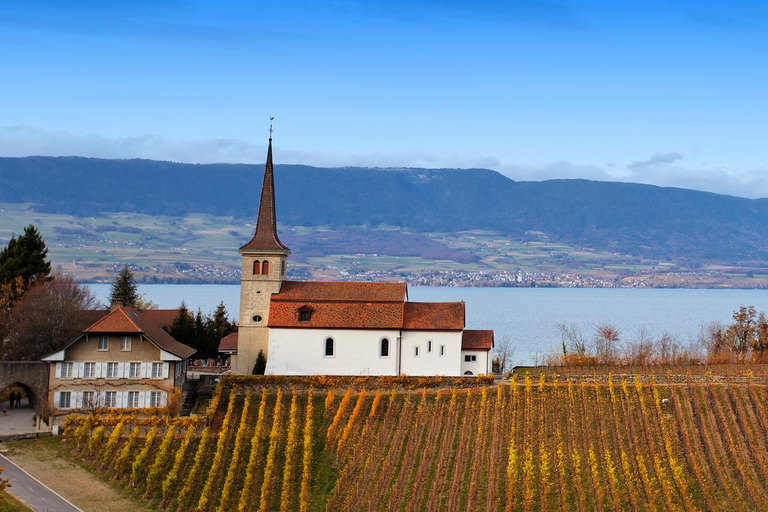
x: 480, y: 365
x: 356, y: 352
x: 431, y: 363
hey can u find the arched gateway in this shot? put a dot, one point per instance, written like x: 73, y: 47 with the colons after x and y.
x: 32, y: 376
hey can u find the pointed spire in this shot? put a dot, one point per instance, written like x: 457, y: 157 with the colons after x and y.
x: 265, y: 238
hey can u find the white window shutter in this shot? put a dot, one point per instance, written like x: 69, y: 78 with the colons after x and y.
x: 56, y: 398
x: 58, y: 376
x: 166, y: 370
x: 80, y: 370
x: 121, y: 370
x: 163, y: 399
x: 119, y: 399
x: 146, y: 370
x: 141, y: 398
x: 77, y: 397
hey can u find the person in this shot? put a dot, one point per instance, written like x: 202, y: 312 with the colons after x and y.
x: 18, y: 399
x: 12, y: 398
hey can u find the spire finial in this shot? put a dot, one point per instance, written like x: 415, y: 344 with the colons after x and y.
x: 271, y: 118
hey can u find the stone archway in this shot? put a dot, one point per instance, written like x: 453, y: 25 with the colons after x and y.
x: 32, y: 376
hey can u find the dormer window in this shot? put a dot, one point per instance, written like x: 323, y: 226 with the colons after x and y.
x: 305, y: 314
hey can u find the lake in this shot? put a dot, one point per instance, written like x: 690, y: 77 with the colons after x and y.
x: 528, y: 316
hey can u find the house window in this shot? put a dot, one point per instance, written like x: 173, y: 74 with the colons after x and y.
x: 257, y: 318
x: 65, y: 400
x: 256, y: 268
x: 133, y: 399
x: 429, y: 347
x: 111, y: 370
x: 154, y: 399
x: 384, y: 348
x: 66, y: 370
x: 282, y: 268
x: 157, y: 370
x: 416, y: 351
x: 305, y: 314
x: 265, y: 268
x: 329, y: 352
x: 89, y: 370
x: 103, y: 342
x: 470, y: 359
x: 110, y: 399
x: 442, y: 350
x: 134, y: 370
x: 125, y: 343
x: 89, y: 399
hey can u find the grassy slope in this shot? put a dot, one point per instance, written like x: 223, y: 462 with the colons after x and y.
x: 537, y: 445
x: 204, y: 248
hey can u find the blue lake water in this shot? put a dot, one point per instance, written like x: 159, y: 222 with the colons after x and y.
x: 528, y: 316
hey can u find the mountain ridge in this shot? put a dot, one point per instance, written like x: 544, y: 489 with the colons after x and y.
x: 639, y: 219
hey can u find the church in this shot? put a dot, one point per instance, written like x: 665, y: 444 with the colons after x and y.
x: 341, y: 328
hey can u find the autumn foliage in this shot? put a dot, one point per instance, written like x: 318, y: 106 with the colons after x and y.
x: 538, y: 443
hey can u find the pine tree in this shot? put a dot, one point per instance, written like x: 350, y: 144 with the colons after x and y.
x: 124, y: 290
x: 183, y: 326
x: 218, y: 326
x: 25, y: 257
x: 261, y: 364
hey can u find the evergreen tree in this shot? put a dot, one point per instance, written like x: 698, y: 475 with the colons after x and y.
x: 219, y: 326
x: 124, y: 290
x: 261, y: 364
x: 200, y: 336
x: 183, y: 326
x: 25, y: 257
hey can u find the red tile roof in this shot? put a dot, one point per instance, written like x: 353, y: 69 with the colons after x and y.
x: 228, y: 343
x: 162, y: 317
x: 356, y: 305
x: 116, y: 321
x: 313, y: 291
x: 477, y: 340
x: 338, y: 315
x: 125, y: 319
x: 434, y: 316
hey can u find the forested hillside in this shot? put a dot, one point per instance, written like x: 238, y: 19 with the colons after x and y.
x: 641, y: 220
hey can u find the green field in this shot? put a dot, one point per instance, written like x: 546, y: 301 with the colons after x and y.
x: 203, y: 248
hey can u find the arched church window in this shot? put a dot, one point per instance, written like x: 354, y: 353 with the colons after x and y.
x: 256, y: 268
x: 384, y: 352
x: 265, y: 268
x: 329, y: 348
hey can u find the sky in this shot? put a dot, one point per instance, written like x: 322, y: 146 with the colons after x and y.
x: 667, y: 93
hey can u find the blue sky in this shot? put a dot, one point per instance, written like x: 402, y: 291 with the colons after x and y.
x: 670, y: 93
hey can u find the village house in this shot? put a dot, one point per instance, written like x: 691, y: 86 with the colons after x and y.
x: 123, y: 360
x: 341, y: 328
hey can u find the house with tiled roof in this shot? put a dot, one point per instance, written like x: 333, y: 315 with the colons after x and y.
x: 124, y: 359
x: 341, y: 328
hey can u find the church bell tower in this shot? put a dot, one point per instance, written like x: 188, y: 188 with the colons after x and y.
x: 264, y: 262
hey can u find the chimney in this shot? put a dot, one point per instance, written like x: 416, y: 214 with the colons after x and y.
x: 115, y: 304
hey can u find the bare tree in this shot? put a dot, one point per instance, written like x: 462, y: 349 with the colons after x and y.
x: 639, y: 351
x: 49, y: 315
x: 504, y: 352
x: 606, y: 342
x: 573, y: 339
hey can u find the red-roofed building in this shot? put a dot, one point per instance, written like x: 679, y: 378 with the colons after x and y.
x: 124, y: 359
x: 340, y: 328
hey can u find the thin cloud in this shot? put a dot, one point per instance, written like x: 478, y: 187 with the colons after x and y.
x: 657, y: 159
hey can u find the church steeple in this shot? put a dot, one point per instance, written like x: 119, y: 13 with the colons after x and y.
x: 265, y: 238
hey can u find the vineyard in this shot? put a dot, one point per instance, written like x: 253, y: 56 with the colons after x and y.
x: 536, y: 444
